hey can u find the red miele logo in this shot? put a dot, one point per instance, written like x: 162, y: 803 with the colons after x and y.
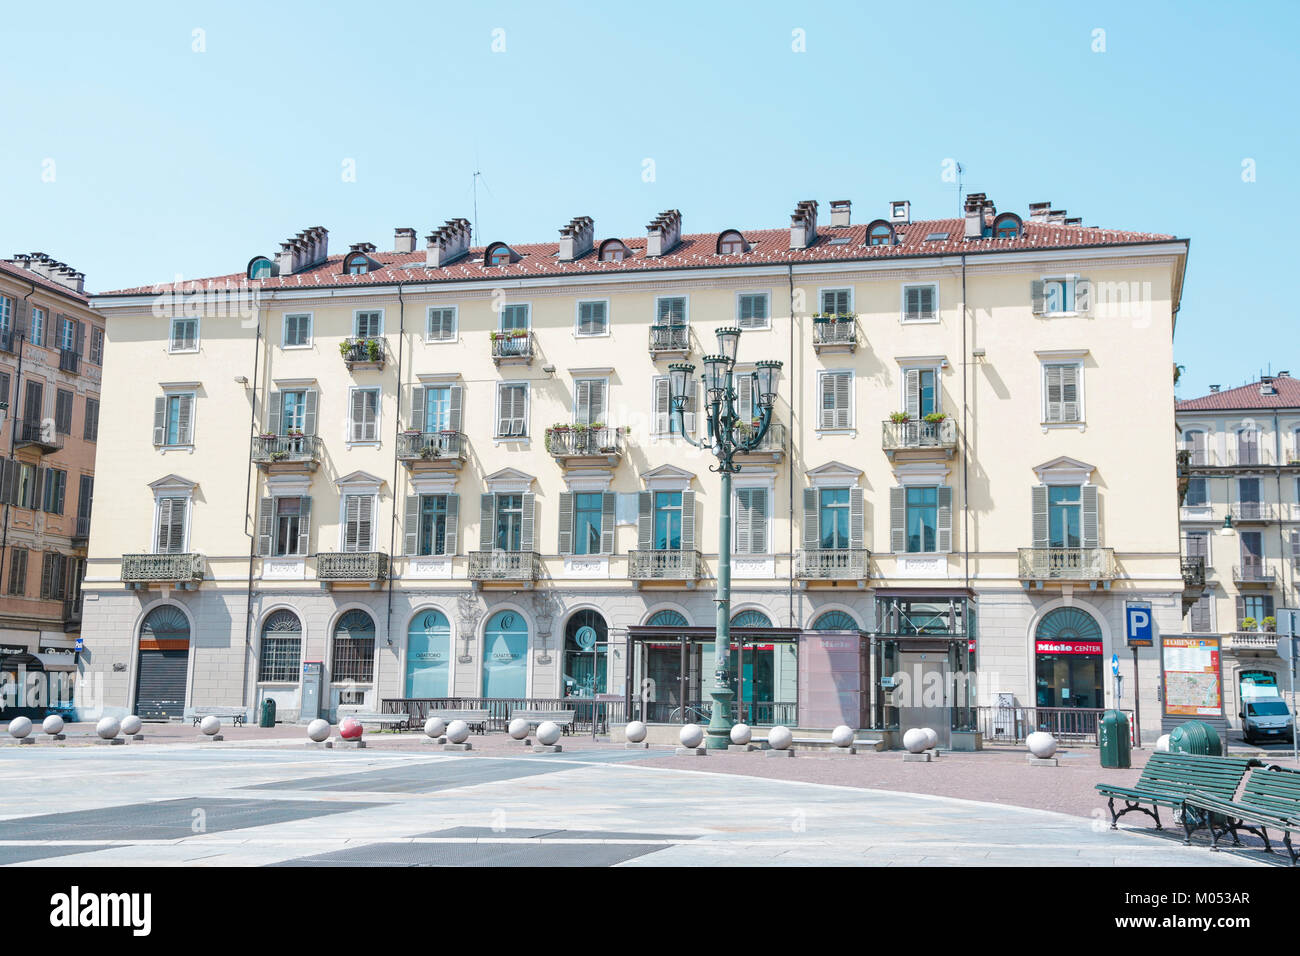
x: 1068, y: 647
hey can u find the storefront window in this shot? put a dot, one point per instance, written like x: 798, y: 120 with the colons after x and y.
x: 505, y: 661
x: 428, y: 655
x: 1068, y: 670
x: 585, y: 654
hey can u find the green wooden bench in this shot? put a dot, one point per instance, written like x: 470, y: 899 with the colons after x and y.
x: 1168, y: 778
x: 1271, y: 798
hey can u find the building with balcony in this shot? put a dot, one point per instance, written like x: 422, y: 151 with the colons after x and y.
x: 1239, y: 458
x: 506, y: 506
x: 51, y: 357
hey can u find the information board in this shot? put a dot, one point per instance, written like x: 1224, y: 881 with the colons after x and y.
x: 1191, y: 676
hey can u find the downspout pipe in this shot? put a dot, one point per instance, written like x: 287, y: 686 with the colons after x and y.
x: 965, y: 434
x: 789, y: 455
x: 249, y: 520
x: 397, y: 431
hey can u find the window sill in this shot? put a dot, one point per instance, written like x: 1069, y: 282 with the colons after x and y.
x: 592, y: 335
x: 454, y: 340
x: 506, y: 439
x: 1046, y: 426
x: 835, y: 432
x: 363, y: 444
x: 297, y: 348
x: 904, y: 320
x: 194, y: 351
x: 166, y: 448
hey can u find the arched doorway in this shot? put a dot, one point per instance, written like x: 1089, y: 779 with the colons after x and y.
x: 163, y: 665
x: 281, y: 648
x: 585, y: 655
x: 1068, y: 660
x: 428, y: 655
x: 505, y: 659
x: 835, y: 621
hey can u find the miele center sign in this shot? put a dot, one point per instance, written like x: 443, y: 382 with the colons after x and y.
x: 1068, y: 647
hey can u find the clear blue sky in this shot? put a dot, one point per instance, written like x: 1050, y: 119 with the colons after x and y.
x: 167, y: 160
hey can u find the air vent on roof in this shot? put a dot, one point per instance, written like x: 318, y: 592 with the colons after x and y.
x: 936, y: 237
x: 839, y: 241
x: 1214, y: 388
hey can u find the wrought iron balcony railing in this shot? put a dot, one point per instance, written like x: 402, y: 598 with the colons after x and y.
x: 504, y: 565
x: 837, y: 332
x: 365, y: 352
x: 1252, y: 511
x: 663, y: 565
x: 287, y: 449
x: 1244, y: 455
x: 1067, y: 564
x: 446, y: 446
x: 1194, y: 573
x: 833, y: 564
x: 512, y: 346
x: 579, y: 441
x: 670, y: 338
x: 772, y: 443
x: 917, y: 435
x: 162, y: 568
x: 351, y: 566
x: 39, y: 434
x: 82, y: 530
x: 1253, y: 572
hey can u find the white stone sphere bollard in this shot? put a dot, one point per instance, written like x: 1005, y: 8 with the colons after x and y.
x: 435, y: 727
x: 131, y: 725
x: 1041, y: 744
x: 916, y: 740
x: 108, y: 727
x: 210, y: 725
x: 318, y: 730
x: 635, y: 731
x: 519, y: 728
x: 691, y: 736
x: 1162, y: 743
x: 20, y: 727
x: 52, y: 725
x: 548, y: 734
x: 779, y: 738
x: 931, y: 738
x: 842, y: 736
x: 458, y: 731
x: 741, y: 734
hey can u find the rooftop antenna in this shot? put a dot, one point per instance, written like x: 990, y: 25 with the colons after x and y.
x: 960, y: 208
x: 476, y: 177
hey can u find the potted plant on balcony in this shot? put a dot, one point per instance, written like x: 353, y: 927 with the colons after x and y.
x: 899, y: 418
x: 1269, y: 624
x: 428, y: 452
x: 373, y: 350
x: 1248, y: 623
x: 934, y: 418
x: 345, y: 348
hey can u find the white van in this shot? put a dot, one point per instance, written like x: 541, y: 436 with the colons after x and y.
x: 1266, y: 718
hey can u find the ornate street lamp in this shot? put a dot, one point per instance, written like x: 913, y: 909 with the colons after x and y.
x: 725, y: 438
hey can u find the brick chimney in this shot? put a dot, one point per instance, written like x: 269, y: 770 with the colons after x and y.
x: 900, y: 211
x: 840, y: 212
x: 404, y: 239
x: 57, y: 272
x: 1038, y: 211
x: 447, y: 243
x: 975, y: 215
x: 663, y: 233
x: 307, y: 249
x: 577, y: 238
x: 1056, y: 215
x: 803, y: 224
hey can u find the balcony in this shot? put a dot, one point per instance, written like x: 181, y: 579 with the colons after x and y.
x: 683, y: 566
x: 40, y: 435
x: 432, y: 451
x: 1095, y: 566
x: 81, y: 533
x: 69, y: 361
x: 1259, y: 573
x: 513, y: 348
x: 585, y: 446
x: 1194, y: 573
x: 280, y: 454
x: 1243, y: 456
x: 1260, y: 642
x: 352, y: 567
x: 919, y: 436
x: 835, y: 333
x: 183, y: 571
x: 833, y: 564
x: 362, y: 353
x: 515, y: 567
x: 772, y: 446
x: 670, y: 341
x: 71, y: 615
x: 1248, y: 512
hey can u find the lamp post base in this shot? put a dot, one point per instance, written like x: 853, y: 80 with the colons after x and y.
x: 719, y: 729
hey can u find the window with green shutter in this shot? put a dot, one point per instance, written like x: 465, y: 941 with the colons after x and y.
x: 752, y: 310
x: 593, y: 317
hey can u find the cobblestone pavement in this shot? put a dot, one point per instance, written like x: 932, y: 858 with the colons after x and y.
x: 261, y: 797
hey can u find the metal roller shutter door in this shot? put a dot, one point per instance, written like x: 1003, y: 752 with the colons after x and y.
x: 160, y: 689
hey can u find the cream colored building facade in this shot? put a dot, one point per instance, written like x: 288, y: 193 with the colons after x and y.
x: 1043, y: 499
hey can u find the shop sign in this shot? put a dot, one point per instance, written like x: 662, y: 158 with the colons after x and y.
x: 1068, y: 647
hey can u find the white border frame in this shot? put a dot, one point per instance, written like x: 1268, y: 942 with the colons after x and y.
x: 902, y: 303
x: 528, y: 412
x: 577, y: 319
x: 481, y: 662
x: 455, y: 325
x: 852, y: 289
x: 684, y: 296
x: 766, y: 294
x: 171, y: 334
x: 851, y: 427
x: 311, y: 331
x: 358, y: 312
x: 1043, y: 362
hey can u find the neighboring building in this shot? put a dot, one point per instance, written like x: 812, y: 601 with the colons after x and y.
x: 51, y: 353
x: 453, y: 472
x: 1240, y: 519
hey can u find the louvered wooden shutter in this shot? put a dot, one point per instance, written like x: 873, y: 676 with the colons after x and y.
x: 688, y: 521
x: 566, y: 522
x: 661, y: 406
x: 898, y: 520
x: 857, y: 519
x: 943, y: 542
x: 745, y: 398
x: 913, y: 391
x: 828, y: 401
x: 1038, y: 296
x: 411, y: 526
x: 304, y: 525
x: 309, y: 412
x: 160, y: 420
x: 645, y: 520
x: 811, y: 520
x: 276, y: 410
x: 1091, y: 530
x: 366, y: 523
x: 186, y: 420
x: 455, y: 414
x: 79, y: 344
x: 1082, y: 294
x: 487, y: 506
x: 582, y: 403
x: 758, y: 521
x: 1038, y: 510
x: 692, y: 404
x: 1053, y: 375
x: 419, y: 418
x: 842, y: 405
x: 47, y: 575
x: 1070, y: 407
x: 1200, y: 614
x: 265, y: 526
x: 743, y: 519
x: 451, y: 534
x: 164, y: 526
x: 528, y: 523
x: 607, y: 522
x: 351, y: 523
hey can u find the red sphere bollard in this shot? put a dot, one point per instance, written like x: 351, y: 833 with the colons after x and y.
x: 350, y: 729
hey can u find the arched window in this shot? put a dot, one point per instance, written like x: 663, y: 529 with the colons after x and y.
x: 354, y: 648
x: 835, y: 621
x: 498, y: 254
x: 281, y: 647
x: 1007, y: 226
x: 731, y: 243
x: 428, y: 655
x: 880, y: 233
x: 261, y: 268
x: 166, y: 623
x: 357, y: 264
x: 505, y: 658
x: 666, y: 618
x: 613, y: 250
x: 585, y: 650
x: 751, y: 618
x: 1068, y: 649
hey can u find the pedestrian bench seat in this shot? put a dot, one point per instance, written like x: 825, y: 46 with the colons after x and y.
x: 383, y: 720
x: 1271, y: 798
x: 236, y: 717
x: 561, y: 718
x: 474, y: 716
x: 1168, y: 778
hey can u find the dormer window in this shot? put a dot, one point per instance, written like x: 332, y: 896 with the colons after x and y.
x: 613, y: 250
x: 880, y: 233
x: 499, y: 254
x: 358, y: 264
x: 261, y: 268
x: 731, y: 243
x: 1007, y: 226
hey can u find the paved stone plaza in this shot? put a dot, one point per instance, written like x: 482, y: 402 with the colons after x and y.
x: 261, y: 798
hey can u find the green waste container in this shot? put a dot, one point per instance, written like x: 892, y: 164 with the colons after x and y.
x: 1195, y: 737
x: 1113, y: 740
x: 267, y: 717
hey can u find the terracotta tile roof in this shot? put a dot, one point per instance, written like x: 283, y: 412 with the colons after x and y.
x: 1246, y: 397
x: 767, y: 246
x: 27, y: 275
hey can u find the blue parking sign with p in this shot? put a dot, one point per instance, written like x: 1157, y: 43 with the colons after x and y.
x: 1138, y: 627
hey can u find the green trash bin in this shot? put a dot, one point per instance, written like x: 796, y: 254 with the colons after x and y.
x: 1195, y: 737
x: 1113, y: 740
x: 267, y: 717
